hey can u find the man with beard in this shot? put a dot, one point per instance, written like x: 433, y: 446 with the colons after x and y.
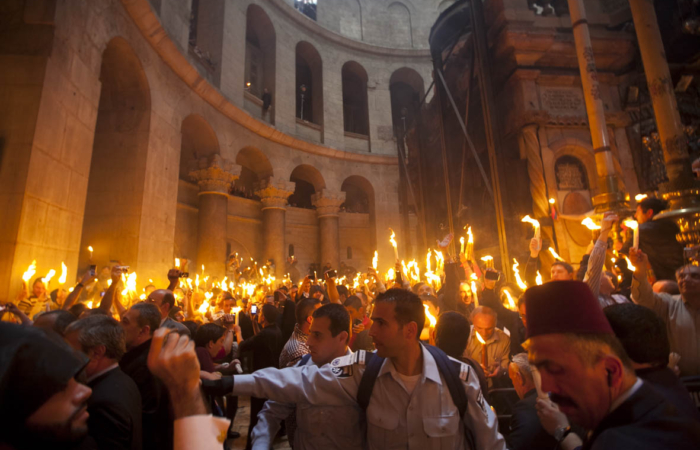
x: 43, y: 404
x: 590, y: 377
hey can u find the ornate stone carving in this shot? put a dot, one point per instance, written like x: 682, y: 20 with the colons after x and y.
x: 214, y: 174
x: 274, y: 193
x: 570, y: 174
x: 327, y: 202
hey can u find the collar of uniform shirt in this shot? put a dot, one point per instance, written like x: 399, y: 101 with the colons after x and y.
x: 430, y: 370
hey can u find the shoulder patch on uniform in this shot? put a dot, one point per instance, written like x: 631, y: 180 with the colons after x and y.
x: 482, y: 403
x: 342, y: 371
x: 347, y: 360
x: 463, y: 368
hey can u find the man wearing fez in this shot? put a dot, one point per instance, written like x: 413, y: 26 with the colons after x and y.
x: 590, y: 377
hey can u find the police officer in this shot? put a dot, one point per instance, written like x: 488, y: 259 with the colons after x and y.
x: 410, y: 407
x: 317, y: 427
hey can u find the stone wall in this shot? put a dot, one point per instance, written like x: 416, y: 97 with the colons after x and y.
x: 49, y: 137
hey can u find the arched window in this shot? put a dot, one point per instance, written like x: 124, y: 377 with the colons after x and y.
x: 309, y: 84
x: 260, y: 55
x: 307, y: 181
x: 406, y: 88
x: 570, y: 174
x: 401, y: 34
x: 355, y: 110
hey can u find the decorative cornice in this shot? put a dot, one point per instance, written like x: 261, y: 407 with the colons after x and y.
x: 148, y: 23
x: 274, y: 193
x: 214, y: 174
x: 327, y: 202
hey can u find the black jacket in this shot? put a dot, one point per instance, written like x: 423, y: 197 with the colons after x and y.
x: 657, y: 238
x: 265, y: 347
x: 670, y: 387
x: 645, y: 421
x: 526, y: 432
x: 157, y: 420
x: 115, y: 411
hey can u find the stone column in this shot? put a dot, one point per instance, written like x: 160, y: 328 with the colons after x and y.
x: 530, y: 148
x: 327, y: 208
x: 610, y: 197
x: 668, y: 119
x: 273, y: 194
x: 214, y: 175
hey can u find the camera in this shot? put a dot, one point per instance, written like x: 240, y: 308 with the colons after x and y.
x: 93, y: 269
x: 331, y: 273
x: 184, y: 274
x: 254, y: 309
x: 492, y: 275
x: 123, y: 269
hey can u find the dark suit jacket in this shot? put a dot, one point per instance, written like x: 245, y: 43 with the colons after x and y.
x: 115, y: 411
x: 526, y: 432
x: 645, y: 422
x: 670, y: 387
x: 157, y: 421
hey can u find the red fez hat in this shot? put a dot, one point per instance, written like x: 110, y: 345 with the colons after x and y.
x: 564, y: 307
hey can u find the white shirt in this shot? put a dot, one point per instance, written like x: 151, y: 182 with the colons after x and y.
x: 112, y: 367
x: 627, y: 394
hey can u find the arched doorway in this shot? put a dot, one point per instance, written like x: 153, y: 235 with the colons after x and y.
x: 308, y: 181
x: 255, y: 167
x: 113, y: 208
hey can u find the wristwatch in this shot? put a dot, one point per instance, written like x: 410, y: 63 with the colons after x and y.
x: 560, y: 433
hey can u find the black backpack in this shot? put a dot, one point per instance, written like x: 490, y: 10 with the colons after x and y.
x: 449, y: 370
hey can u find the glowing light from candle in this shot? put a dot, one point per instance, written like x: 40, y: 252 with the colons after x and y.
x: 521, y: 283
x: 629, y: 264
x: 552, y: 201
x: 375, y: 260
x: 177, y: 263
x: 64, y: 274
x: 538, y: 280
x: 431, y: 318
x: 535, y: 223
x: 478, y: 336
x: 556, y: 256
x: 461, y: 244
x: 393, y: 244
x: 640, y: 197
x: 48, y: 276
x: 31, y: 270
x: 588, y: 223
x: 511, y: 302
x: 90, y: 250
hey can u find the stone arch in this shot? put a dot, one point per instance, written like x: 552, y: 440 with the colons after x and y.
x: 255, y: 167
x: 359, y: 189
x: 580, y: 150
x: 198, y: 140
x: 309, y: 73
x: 355, y: 106
x: 307, y: 181
x: 119, y: 158
x: 351, y: 25
x: 401, y: 27
x: 406, y: 88
x: 206, y: 36
x: 260, y: 54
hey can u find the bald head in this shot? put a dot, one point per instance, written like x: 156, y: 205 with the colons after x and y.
x: 163, y: 299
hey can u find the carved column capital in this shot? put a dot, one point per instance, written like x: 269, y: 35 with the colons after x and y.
x: 327, y: 202
x: 274, y: 193
x: 214, y: 174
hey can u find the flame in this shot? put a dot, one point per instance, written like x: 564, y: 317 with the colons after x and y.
x: 427, y: 262
x: 552, y: 201
x: 203, y: 267
x: 203, y: 307
x: 631, y: 224
x: 375, y: 260
x: 487, y: 258
x: 474, y: 276
x: 521, y: 283
x: 640, y: 197
x: 129, y: 284
x: 557, y: 257
x: 431, y: 318
x: 196, y: 281
x: 392, y: 238
x: 109, y: 282
x: 48, y: 276
x: 588, y: 223
x: 471, y: 236
x: 177, y: 263
x: 390, y: 275
x: 89, y: 304
x: 224, y: 287
x: 629, y: 264
x: 475, y: 291
x: 90, y: 248
x: 461, y: 244
x: 142, y: 297
x: 535, y: 223
x: 64, y: 274
x: 511, y: 302
x: 189, y: 283
x: 478, y: 336
x: 31, y: 270
x: 538, y: 280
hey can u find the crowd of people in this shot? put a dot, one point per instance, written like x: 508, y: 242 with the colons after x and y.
x: 601, y: 357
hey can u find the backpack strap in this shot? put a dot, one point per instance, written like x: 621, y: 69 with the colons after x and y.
x: 304, y: 360
x: 373, y: 366
x: 450, y: 371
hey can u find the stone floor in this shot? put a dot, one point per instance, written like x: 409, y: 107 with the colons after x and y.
x: 241, y: 425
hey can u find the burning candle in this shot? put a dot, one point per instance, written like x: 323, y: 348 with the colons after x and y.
x: 538, y: 280
x: 375, y: 260
x: 511, y: 302
x: 556, y: 256
x: 431, y: 318
x: 536, y: 225
x: 393, y: 244
x: 470, y: 244
x: 90, y: 250
x: 177, y: 263
x: 634, y: 226
x: 640, y: 197
x: 64, y: 274
x: 521, y: 283
x: 488, y: 259
x: 588, y: 223
x: 461, y: 244
x: 484, y: 359
x: 31, y: 270
x: 48, y: 277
